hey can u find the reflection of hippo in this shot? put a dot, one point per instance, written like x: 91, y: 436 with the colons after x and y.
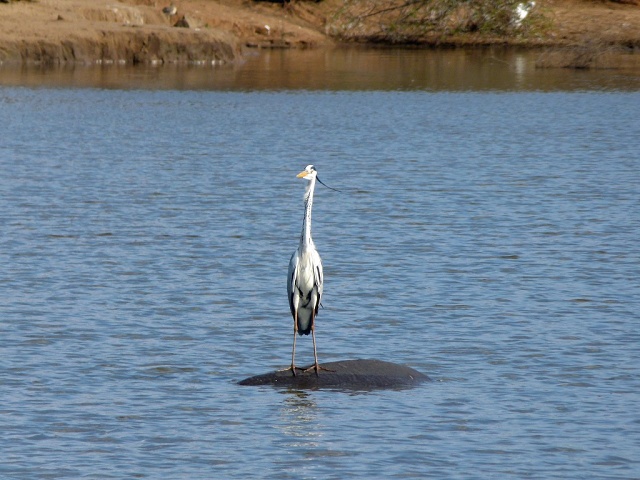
x: 345, y: 375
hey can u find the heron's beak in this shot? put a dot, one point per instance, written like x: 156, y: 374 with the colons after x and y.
x: 302, y: 174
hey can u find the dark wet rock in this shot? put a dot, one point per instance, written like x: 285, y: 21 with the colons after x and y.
x: 345, y: 375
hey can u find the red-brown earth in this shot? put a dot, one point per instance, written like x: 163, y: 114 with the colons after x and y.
x: 137, y: 31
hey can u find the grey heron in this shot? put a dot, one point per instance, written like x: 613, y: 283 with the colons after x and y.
x: 305, y: 277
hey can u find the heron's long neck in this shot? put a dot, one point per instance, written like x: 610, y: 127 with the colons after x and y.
x: 305, y: 239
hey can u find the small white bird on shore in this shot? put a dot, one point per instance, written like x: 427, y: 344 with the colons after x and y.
x: 522, y: 10
x: 171, y: 10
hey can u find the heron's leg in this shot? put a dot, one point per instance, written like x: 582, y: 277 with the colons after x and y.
x: 293, y: 351
x: 316, y: 366
x: 315, y: 353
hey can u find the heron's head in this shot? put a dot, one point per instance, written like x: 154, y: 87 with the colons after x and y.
x: 309, y: 173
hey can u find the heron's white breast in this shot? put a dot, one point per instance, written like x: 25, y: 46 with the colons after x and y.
x: 305, y: 279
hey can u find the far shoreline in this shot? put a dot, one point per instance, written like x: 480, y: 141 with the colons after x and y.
x: 98, y: 33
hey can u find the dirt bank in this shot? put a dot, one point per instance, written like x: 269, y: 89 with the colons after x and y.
x: 137, y: 31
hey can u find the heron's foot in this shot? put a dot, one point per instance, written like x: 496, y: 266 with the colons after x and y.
x: 317, y: 368
x: 293, y: 369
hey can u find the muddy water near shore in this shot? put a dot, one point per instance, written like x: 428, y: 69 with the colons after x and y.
x: 347, y: 69
x: 486, y: 236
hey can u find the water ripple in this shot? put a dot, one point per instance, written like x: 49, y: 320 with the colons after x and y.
x: 142, y: 274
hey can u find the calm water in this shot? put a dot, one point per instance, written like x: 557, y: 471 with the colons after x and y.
x: 487, y: 237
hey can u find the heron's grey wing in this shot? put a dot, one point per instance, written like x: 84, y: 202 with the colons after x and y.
x: 291, y: 280
x: 318, y: 276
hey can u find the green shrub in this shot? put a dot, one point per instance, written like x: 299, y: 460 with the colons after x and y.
x: 410, y: 20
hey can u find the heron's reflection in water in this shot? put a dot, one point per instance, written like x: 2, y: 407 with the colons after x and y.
x: 299, y: 420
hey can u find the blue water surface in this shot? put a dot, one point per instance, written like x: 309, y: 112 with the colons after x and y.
x: 486, y: 238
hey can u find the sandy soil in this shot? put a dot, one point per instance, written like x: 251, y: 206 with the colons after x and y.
x: 137, y: 31
x: 578, y: 22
